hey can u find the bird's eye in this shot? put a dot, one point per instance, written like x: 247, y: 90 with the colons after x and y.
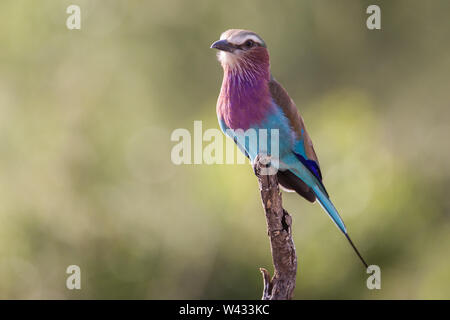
x: 249, y: 43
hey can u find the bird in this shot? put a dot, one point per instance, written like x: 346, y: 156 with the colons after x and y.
x: 250, y: 99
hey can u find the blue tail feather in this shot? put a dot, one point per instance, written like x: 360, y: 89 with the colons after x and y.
x: 299, y: 169
x: 328, y: 206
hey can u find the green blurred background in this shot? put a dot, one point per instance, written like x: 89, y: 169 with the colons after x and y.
x: 86, y: 176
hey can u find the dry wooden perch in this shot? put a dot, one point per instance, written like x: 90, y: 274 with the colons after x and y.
x: 281, y: 286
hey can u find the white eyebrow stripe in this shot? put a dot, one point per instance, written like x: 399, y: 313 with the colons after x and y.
x: 241, y: 38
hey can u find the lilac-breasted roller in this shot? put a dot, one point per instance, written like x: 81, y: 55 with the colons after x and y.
x: 250, y: 98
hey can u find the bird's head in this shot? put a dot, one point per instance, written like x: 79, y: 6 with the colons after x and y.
x: 241, y: 49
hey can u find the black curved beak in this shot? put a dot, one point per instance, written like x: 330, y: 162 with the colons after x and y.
x: 223, y: 45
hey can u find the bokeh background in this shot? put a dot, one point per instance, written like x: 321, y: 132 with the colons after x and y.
x: 86, y: 176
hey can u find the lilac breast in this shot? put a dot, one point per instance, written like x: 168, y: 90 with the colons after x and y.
x: 244, y: 102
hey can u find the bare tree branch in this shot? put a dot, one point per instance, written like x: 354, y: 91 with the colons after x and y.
x: 281, y: 286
